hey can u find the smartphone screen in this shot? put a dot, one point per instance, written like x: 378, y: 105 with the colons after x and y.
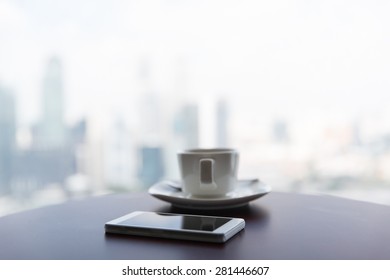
x: 175, y: 222
x: 193, y: 227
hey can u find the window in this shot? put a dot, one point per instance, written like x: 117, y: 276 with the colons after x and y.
x: 97, y: 96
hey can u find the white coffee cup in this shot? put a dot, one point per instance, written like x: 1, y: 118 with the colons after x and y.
x: 208, y: 172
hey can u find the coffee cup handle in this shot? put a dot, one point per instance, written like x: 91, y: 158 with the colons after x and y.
x: 207, y: 173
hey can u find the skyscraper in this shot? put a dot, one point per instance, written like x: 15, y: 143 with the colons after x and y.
x: 50, y: 148
x: 152, y: 165
x: 7, y: 138
x: 186, y: 127
x: 151, y: 118
x: 222, y: 123
x: 52, y: 130
x: 280, y: 132
x: 119, y: 156
x: 150, y: 151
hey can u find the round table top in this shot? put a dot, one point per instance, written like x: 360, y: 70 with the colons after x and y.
x: 278, y: 226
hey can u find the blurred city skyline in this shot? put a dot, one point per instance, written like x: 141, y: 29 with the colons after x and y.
x: 280, y: 57
x: 105, y: 93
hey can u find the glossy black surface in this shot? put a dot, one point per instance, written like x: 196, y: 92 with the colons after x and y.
x: 278, y: 226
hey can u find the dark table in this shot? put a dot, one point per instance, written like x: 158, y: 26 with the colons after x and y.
x: 278, y: 226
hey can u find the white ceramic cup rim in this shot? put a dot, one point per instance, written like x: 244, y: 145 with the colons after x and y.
x: 208, y: 151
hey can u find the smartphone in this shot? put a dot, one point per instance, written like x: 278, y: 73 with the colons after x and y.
x: 176, y: 226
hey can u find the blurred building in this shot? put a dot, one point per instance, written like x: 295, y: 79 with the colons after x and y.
x: 7, y: 138
x: 149, y: 109
x: 119, y: 157
x: 44, y: 166
x: 151, y: 141
x: 151, y: 167
x: 51, y: 158
x: 356, y: 134
x: 222, y: 123
x: 51, y: 133
x: 280, y: 132
x: 186, y: 127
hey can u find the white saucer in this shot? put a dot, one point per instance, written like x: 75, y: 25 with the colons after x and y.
x: 245, y: 192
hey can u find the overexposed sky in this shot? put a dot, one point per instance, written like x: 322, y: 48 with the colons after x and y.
x: 276, y: 57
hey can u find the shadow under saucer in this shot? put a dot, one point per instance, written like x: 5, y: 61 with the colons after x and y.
x: 249, y: 212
